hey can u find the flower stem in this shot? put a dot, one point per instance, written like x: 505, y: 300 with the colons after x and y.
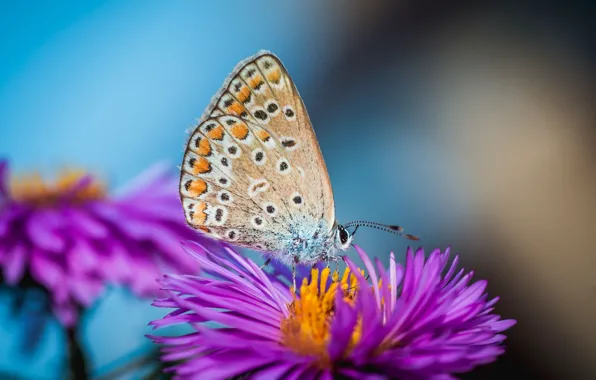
x: 76, y: 357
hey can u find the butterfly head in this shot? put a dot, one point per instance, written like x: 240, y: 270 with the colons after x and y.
x: 343, y: 238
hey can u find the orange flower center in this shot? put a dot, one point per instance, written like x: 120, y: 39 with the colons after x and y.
x: 307, y: 329
x: 73, y: 186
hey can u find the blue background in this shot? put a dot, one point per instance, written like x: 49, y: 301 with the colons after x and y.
x: 111, y: 86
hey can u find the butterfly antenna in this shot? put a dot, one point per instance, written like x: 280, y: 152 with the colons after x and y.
x: 397, y: 230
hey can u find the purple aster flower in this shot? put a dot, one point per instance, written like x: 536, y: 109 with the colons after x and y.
x: 406, y: 322
x: 72, y: 238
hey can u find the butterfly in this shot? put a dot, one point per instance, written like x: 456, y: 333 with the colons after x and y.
x: 253, y: 174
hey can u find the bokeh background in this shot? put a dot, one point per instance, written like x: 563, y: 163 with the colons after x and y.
x: 470, y: 123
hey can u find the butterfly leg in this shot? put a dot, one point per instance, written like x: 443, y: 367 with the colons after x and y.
x: 265, y: 263
x: 294, y: 271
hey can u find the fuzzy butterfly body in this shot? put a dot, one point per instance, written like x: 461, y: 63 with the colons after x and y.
x: 253, y: 174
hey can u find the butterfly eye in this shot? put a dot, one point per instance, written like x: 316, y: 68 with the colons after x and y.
x: 344, y: 236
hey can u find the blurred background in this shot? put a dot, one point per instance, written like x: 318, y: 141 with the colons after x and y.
x: 482, y: 138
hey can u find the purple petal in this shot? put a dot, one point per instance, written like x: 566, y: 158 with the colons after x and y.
x: 471, y: 294
x: 342, y: 327
x: 241, y: 323
x: 83, y: 257
x: 275, y: 371
x: 451, y: 270
x: 86, y: 224
x: 9, y: 214
x: 120, y: 265
x: 303, y: 372
x: 352, y: 373
x: 503, y: 325
x: 14, y: 264
x: 236, y: 363
x: 46, y: 270
x: 372, y: 273
x: 42, y: 228
x: 85, y: 290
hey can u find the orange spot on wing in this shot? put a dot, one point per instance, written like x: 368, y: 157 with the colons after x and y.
x: 197, y: 188
x: 236, y: 108
x: 199, y: 216
x: 263, y: 135
x: 205, y: 229
x: 274, y: 76
x: 216, y: 133
x: 204, y: 148
x: 202, y: 165
x: 239, y: 131
x: 256, y: 81
x: 243, y: 94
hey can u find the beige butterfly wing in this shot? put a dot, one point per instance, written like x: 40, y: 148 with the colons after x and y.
x: 253, y: 169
